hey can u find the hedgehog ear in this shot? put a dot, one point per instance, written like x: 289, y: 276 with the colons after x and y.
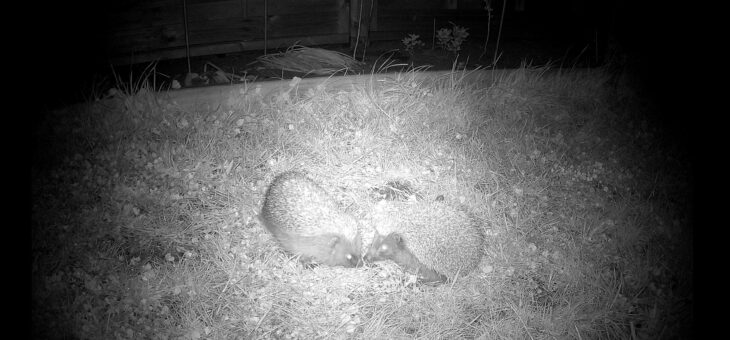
x: 398, y: 239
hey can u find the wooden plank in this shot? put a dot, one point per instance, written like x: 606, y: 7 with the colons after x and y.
x: 212, y: 22
x: 144, y: 14
x: 147, y: 38
x: 214, y: 11
x: 284, y: 42
x: 407, y: 21
x: 428, y: 13
x: 295, y: 7
x: 343, y: 17
x: 143, y: 56
x: 221, y: 31
x: 407, y: 26
x: 471, y: 4
x: 287, y: 25
x: 410, y: 5
x: 374, y: 19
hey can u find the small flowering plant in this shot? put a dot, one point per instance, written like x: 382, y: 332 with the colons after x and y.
x: 451, y: 39
x: 412, y: 42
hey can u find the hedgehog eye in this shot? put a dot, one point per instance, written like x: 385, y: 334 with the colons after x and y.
x: 349, y: 257
x: 384, y: 247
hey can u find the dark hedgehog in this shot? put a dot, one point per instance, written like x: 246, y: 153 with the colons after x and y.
x: 307, y: 222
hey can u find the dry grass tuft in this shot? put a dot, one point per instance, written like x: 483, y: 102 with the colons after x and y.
x: 310, y: 61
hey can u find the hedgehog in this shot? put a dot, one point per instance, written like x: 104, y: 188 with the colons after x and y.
x: 392, y: 247
x: 431, y: 239
x: 307, y: 222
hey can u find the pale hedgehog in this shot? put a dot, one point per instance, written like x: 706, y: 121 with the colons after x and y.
x: 307, y: 222
x: 431, y: 239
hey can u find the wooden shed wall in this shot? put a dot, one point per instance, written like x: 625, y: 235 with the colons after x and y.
x: 147, y: 30
x: 144, y: 30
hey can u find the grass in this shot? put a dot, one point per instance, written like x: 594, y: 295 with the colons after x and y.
x: 144, y: 213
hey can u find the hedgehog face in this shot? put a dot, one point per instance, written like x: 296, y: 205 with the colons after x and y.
x: 384, y: 247
x: 343, y: 253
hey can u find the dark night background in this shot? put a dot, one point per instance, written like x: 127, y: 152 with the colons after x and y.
x: 654, y: 33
